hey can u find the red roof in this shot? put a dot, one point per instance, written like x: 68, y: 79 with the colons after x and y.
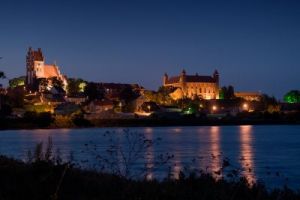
x: 192, y: 78
x: 51, y: 71
x: 174, y: 79
x: 197, y: 78
x: 38, y: 55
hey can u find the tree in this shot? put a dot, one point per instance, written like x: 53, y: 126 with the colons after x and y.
x: 56, y: 82
x: 2, y: 75
x: 41, y: 84
x: 75, y: 86
x: 15, y: 82
x: 127, y: 94
x: 227, y: 92
x: 162, y: 96
x: 93, y: 91
x: 292, y: 96
x: 16, y: 97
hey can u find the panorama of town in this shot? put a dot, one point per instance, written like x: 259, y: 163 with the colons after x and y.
x: 45, y: 91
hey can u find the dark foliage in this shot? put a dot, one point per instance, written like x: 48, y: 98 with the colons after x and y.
x: 15, y: 97
x: 43, y: 119
x: 94, y: 91
x: 80, y: 121
x: 2, y: 75
x: 227, y: 92
x: 46, y: 180
x: 5, y: 110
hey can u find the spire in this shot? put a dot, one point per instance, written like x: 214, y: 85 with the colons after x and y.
x: 165, y: 79
x: 216, y: 72
x: 216, y: 76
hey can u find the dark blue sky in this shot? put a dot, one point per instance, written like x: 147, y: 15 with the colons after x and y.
x: 255, y: 45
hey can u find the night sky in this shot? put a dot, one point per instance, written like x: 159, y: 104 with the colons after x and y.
x: 255, y: 45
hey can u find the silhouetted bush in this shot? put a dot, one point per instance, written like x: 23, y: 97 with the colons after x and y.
x: 46, y: 176
x: 43, y: 119
x: 80, y: 121
x: 46, y: 180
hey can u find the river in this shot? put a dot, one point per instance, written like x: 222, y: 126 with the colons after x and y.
x: 264, y: 152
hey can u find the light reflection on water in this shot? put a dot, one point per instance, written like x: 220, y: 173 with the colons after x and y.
x: 215, y: 149
x: 246, y: 151
x: 149, y: 155
x: 248, y: 147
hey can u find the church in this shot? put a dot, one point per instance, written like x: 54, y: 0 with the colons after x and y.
x: 37, y: 69
x: 192, y: 86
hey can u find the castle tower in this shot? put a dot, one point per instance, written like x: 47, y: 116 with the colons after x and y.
x: 216, y: 77
x: 165, y: 79
x: 182, y: 80
x: 183, y: 76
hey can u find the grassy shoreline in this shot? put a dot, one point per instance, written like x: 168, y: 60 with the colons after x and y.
x: 47, y: 180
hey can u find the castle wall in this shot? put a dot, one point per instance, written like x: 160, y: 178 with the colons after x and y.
x: 201, y: 89
x: 205, y: 90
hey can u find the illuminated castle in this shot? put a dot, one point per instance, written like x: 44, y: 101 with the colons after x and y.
x: 36, y: 68
x: 192, y: 86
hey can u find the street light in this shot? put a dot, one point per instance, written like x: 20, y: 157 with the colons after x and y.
x: 214, y: 108
x: 149, y: 108
x: 245, y: 106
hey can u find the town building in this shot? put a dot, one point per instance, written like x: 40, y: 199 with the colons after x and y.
x: 37, y: 69
x: 192, y: 86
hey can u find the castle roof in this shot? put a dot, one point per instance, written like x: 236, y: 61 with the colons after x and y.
x: 192, y: 78
x: 174, y: 79
x: 197, y: 78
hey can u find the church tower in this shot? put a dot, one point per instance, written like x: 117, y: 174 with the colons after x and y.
x: 35, y: 62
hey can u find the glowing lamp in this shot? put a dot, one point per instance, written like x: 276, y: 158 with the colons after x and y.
x: 245, y: 106
x: 214, y: 108
x: 149, y: 108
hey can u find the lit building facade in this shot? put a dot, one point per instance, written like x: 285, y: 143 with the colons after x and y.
x: 36, y: 68
x: 192, y: 86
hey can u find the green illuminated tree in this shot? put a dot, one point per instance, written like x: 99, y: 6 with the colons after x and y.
x: 76, y: 86
x: 15, y: 82
x: 227, y: 92
x: 292, y: 96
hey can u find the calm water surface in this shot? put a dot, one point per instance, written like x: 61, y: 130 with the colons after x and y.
x: 271, y: 152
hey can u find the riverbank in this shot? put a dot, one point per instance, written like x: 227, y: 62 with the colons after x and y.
x: 49, y: 180
x: 7, y: 124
